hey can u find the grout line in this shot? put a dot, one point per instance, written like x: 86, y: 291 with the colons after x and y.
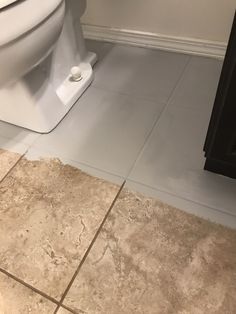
x: 11, y: 169
x: 34, y: 141
x: 179, y: 80
x: 126, y: 94
x: 146, y: 140
x: 182, y: 197
x: 89, y: 248
x: 160, y: 116
x: 70, y: 310
x: 29, y: 286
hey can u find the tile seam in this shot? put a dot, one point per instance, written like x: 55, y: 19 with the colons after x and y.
x: 111, y: 91
x: 168, y: 102
x: 32, y: 288
x: 11, y: 169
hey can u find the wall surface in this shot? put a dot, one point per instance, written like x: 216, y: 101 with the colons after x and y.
x: 208, y: 20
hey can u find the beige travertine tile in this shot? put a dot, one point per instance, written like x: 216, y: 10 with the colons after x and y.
x: 50, y: 214
x: 17, y: 299
x: 63, y: 311
x: 7, y: 161
x: 152, y: 258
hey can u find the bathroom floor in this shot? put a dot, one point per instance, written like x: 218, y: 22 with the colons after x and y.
x: 103, y: 240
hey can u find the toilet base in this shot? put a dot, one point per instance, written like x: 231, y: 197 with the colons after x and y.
x: 34, y: 103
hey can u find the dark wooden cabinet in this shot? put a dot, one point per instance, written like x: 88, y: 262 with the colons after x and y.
x: 220, y: 144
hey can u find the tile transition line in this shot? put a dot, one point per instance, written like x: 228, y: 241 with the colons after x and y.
x: 161, y: 114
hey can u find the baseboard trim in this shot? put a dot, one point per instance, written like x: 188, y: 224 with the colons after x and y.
x: 157, y: 41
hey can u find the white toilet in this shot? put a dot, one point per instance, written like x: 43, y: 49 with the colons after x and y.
x: 44, y: 65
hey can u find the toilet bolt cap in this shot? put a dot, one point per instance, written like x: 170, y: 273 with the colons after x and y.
x: 76, y: 73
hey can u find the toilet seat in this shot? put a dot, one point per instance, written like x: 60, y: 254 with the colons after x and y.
x: 25, y: 15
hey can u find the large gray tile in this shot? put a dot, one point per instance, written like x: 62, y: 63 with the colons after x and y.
x: 17, y: 134
x: 197, y: 88
x: 173, y: 159
x: 140, y: 72
x: 13, y: 146
x: 100, y: 48
x: 104, y: 130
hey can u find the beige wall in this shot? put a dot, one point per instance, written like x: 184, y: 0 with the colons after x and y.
x: 201, y: 19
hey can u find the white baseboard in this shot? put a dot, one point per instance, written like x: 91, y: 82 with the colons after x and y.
x: 158, y: 41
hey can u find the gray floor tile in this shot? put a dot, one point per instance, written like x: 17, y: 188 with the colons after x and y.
x: 100, y: 48
x: 197, y: 88
x: 104, y: 130
x: 12, y: 146
x: 173, y: 161
x: 17, y: 134
x: 140, y: 72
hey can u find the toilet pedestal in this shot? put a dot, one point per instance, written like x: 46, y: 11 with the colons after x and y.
x: 35, y: 104
x: 40, y: 99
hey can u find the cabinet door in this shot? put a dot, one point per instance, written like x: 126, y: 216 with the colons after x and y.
x: 220, y: 144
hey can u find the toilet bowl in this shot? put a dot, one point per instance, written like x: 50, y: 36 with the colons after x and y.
x: 39, y: 45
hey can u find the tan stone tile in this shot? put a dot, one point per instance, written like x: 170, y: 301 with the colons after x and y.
x: 152, y: 258
x: 7, y: 161
x: 63, y: 311
x: 17, y: 299
x: 49, y: 215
